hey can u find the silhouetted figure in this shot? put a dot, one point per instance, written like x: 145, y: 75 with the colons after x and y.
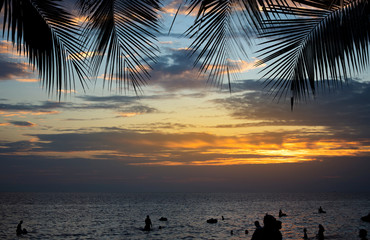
x: 222, y: 217
x: 212, y: 220
x: 321, y: 210
x: 270, y: 230
x: 19, y: 228
x: 231, y: 232
x: 148, y: 223
x: 363, y: 234
x: 281, y: 214
x: 278, y: 224
x: 257, y: 224
x: 320, y: 234
x: 163, y: 219
x: 246, y: 231
x: 366, y: 218
x: 305, y: 233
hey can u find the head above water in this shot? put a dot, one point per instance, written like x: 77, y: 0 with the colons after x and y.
x: 269, y: 221
x: 363, y: 233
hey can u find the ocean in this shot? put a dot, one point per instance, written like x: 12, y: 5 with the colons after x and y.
x: 121, y: 215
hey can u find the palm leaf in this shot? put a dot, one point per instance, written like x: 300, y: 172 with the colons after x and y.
x: 220, y: 32
x: 319, y: 45
x: 47, y: 35
x: 120, y: 34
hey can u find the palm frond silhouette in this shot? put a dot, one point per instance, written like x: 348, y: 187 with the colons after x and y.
x: 318, y: 43
x: 307, y: 43
x: 123, y: 33
x: 220, y: 32
x: 48, y: 36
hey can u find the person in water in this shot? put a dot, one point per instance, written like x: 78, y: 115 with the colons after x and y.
x: 148, y: 223
x: 305, y: 233
x: 320, y: 234
x: 19, y: 228
x: 21, y: 231
x: 281, y: 214
x: 270, y: 230
x: 363, y: 234
x: 257, y: 224
x: 321, y: 210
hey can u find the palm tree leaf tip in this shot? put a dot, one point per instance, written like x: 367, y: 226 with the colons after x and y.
x: 330, y: 45
x: 46, y: 34
x: 122, y: 33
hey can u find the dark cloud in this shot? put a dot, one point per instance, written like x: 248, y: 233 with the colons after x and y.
x: 175, y: 71
x: 140, y: 109
x: 22, y: 123
x: 170, y: 125
x: 10, y: 70
x: 116, y: 103
x: 148, y: 144
x: 32, y: 107
x: 344, y: 111
x: 115, y: 99
x: 13, y: 147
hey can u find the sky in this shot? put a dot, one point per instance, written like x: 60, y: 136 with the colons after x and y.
x: 180, y: 134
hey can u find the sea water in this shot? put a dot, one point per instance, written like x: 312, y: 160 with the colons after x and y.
x: 122, y: 215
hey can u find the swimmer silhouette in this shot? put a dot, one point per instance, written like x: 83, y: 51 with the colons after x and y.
x: 320, y: 234
x: 321, y: 210
x: 305, y: 233
x: 281, y: 214
x: 257, y: 224
x: 19, y: 228
x: 212, y: 220
x: 270, y: 230
x: 148, y: 223
x: 363, y: 234
x: 366, y: 218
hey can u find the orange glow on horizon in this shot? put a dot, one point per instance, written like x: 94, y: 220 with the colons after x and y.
x: 239, y: 151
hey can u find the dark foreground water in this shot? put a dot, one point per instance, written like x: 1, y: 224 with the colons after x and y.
x: 121, y: 215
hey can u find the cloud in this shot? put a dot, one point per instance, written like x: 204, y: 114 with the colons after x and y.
x: 344, y: 112
x: 6, y: 47
x: 190, y: 149
x: 22, y: 123
x: 240, y: 66
x: 30, y: 109
x: 13, y: 70
x: 173, y: 7
x: 115, y: 99
x: 175, y: 71
x: 137, y: 110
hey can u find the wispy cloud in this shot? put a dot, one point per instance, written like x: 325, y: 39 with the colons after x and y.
x: 22, y: 123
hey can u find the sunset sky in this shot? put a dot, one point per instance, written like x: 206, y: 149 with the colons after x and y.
x: 180, y: 133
